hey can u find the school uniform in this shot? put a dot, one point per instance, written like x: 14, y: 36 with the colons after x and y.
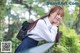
x: 43, y: 30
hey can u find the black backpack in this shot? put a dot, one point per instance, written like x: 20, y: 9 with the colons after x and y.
x: 23, y: 31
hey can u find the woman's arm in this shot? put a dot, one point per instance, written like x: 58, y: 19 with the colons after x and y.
x: 48, y: 35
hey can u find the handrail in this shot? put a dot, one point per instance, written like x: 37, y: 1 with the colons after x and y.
x: 39, y: 49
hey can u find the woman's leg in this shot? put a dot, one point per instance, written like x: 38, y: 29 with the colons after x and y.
x: 27, y: 43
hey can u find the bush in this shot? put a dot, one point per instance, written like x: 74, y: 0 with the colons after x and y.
x: 69, y: 42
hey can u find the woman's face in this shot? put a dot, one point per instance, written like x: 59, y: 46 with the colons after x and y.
x: 56, y: 17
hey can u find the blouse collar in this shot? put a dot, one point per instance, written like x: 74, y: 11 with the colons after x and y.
x: 47, y: 21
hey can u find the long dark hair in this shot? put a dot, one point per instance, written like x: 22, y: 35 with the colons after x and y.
x: 52, y: 10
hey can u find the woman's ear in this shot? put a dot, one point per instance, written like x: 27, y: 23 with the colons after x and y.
x: 49, y: 14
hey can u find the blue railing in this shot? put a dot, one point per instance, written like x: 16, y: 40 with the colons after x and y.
x: 40, y: 49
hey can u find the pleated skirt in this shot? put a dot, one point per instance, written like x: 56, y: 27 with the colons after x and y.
x: 26, y: 44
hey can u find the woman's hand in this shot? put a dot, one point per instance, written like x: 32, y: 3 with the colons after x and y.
x: 57, y: 21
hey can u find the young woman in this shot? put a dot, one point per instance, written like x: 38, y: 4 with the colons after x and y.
x: 44, y: 28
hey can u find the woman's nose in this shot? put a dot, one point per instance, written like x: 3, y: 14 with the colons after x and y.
x: 59, y: 16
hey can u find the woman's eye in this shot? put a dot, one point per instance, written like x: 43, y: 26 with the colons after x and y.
x: 58, y: 13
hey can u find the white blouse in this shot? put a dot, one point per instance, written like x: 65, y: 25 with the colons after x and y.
x: 44, y: 30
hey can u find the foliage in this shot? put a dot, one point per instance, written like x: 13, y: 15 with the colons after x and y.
x: 2, y: 8
x: 69, y: 42
x: 2, y: 13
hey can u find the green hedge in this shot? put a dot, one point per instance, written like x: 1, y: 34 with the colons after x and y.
x: 69, y: 42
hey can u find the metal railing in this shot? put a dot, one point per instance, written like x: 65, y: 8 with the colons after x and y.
x: 40, y: 49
